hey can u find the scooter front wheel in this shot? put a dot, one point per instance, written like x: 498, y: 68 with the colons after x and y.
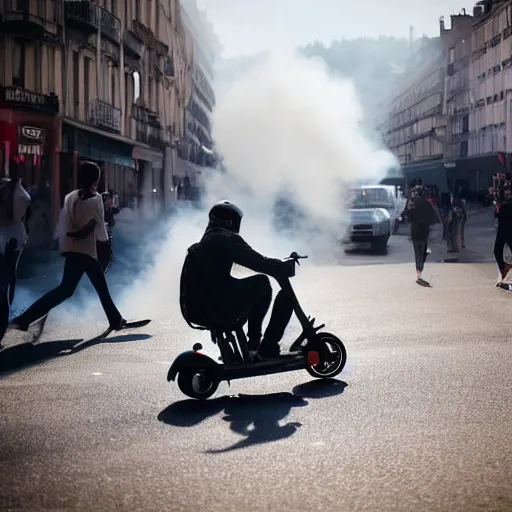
x: 200, y: 384
x: 333, y: 357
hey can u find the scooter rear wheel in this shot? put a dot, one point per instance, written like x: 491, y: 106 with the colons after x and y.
x: 199, y: 384
x: 327, y: 369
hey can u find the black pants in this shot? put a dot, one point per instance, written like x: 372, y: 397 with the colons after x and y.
x: 499, y: 245
x: 9, y: 264
x: 251, y: 299
x: 420, y: 252
x: 74, y: 268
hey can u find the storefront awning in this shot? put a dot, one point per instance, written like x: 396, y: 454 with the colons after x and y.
x: 97, y: 146
x: 430, y: 173
x: 149, y: 155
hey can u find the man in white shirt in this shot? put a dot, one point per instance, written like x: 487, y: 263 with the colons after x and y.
x: 81, y: 227
x: 14, y: 203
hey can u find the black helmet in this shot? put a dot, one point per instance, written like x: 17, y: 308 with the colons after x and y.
x: 226, y: 215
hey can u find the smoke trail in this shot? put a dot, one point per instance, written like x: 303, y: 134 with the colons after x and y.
x: 286, y: 126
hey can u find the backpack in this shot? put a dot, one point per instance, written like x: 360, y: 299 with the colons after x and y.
x: 196, y: 308
x: 6, y: 203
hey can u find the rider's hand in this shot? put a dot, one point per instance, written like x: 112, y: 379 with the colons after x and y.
x: 288, y: 268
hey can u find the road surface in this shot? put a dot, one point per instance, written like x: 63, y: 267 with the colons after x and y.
x: 418, y: 421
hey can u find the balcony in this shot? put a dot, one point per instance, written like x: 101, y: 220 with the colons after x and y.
x: 147, y: 127
x: 133, y: 44
x: 146, y: 35
x: 146, y: 116
x: 17, y: 98
x: 104, y: 116
x: 85, y: 15
x: 24, y: 25
x: 149, y: 135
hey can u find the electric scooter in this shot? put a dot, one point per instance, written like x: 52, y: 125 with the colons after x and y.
x: 321, y: 354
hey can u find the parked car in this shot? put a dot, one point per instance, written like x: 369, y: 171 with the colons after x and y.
x: 374, y: 215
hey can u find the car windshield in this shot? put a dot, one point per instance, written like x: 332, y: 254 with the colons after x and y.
x: 369, y: 198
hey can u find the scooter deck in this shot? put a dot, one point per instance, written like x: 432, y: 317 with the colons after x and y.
x: 286, y: 363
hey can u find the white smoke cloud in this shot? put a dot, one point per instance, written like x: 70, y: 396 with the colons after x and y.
x: 289, y: 125
x: 284, y: 126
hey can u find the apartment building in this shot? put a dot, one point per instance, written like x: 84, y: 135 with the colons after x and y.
x: 415, y: 126
x: 428, y: 119
x: 31, y: 39
x: 197, y: 147
x: 116, y: 69
x: 491, y: 78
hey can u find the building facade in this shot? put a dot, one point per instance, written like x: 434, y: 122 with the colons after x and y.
x: 196, y: 151
x: 105, y: 80
x: 415, y: 127
x: 431, y: 127
x: 31, y: 36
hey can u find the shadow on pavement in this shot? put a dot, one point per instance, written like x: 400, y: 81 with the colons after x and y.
x: 255, y: 417
x: 23, y: 356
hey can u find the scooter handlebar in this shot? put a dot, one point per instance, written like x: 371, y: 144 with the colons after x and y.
x: 296, y: 257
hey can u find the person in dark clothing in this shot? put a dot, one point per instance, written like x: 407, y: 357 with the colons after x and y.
x: 504, y: 231
x: 81, y: 229
x: 422, y: 215
x: 209, y: 293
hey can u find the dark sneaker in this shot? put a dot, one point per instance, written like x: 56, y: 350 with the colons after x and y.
x: 119, y: 325
x: 269, y: 351
x: 253, y: 345
x: 13, y: 326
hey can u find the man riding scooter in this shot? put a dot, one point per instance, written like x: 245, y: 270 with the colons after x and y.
x: 233, y: 299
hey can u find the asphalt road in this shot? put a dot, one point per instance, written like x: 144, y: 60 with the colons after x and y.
x: 418, y: 421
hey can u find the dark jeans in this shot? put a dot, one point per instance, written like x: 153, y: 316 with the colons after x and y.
x: 74, y: 268
x: 499, y: 246
x: 9, y: 264
x: 251, y: 299
x: 420, y: 252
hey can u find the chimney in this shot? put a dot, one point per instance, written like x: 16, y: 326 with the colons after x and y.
x: 441, y: 25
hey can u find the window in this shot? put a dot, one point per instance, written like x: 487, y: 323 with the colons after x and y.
x: 18, y: 64
x: 51, y: 68
x: 41, y: 8
x: 113, y: 97
x: 136, y: 86
x: 76, y: 82
x: 149, y: 7
x: 87, y: 79
x: 105, y: 78
x: 451, y: 58
x: 150, y: 94
x: 137, y: 10
x: 21, y: 5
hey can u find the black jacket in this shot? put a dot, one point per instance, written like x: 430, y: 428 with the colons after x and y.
x: 421, y: 215
x: 206, y: 275
x: 504, y: 217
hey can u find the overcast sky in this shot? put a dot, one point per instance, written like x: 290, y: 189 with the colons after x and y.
x: 250, y: 26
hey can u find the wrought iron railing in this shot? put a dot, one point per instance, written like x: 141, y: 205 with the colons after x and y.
x: 103, y: 115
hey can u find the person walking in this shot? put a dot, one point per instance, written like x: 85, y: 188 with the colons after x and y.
x: 81, y: 228
x: 14, y: 211
x: 422, y: 216
x: 503, y: 231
